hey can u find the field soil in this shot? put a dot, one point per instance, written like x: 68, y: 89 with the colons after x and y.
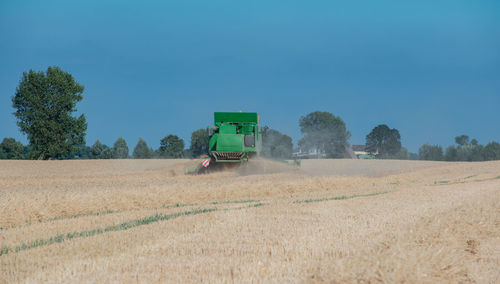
x: 329, y: 220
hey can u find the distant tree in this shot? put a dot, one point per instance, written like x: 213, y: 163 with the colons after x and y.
x: 275, y: 144
x: 491, y: 151
x: 120, y: 149
x: 469, y: 153
x: 477, y: 152
x: 44, y: 104
x: 462, y: 140
x: 83, y: 152
x: 171, y: 146
x: 402, y: 154
x: 414, y: 156
x: 96, y: 150
x: 430, y: 152
x: 199, y: 142
x: 153, y: 154
x: 474, y: 142
x: 451, y: 153
x: 11, y: 149
x: 324, y: 132
x: 107, y: 153
x: 142, y: 151
x: 383, y: 141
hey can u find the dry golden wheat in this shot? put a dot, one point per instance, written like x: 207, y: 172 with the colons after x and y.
x: 331, y: 220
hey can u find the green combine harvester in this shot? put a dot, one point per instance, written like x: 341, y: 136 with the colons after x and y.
x: 234, y: 139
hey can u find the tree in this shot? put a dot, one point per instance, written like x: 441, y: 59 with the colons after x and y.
x: 11, y: 149
x: 451, y: 153
x: 275, y: 144
x: 402, y: 154
x: 83, y: 152
x: 414, y: 156
x: 142, y: 151
x: 107, y: 153
x: 96, y: 150
x: 199, y: 142
x: 462, y: 140
x: 469, y: 153
x: 324, y: 132
x: 171, y: 146
x: 491, y: 151
x: 44, y: 104
x: 383, y: 141
x: 120, y: 149
x: 430, y: 152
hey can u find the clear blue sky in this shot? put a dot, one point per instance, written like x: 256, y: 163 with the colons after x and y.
x: 431, y: 69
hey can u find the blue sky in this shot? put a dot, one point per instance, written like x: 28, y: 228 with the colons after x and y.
x: 431, y: 69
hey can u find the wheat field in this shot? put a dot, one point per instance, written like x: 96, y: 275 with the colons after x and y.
x: 329, y: 220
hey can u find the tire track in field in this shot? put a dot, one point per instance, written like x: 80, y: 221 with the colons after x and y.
x: 160, y: 217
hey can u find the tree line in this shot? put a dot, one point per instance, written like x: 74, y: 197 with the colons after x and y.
x: 45, y: 103
x: 464, y: 150
x: 275, y: 145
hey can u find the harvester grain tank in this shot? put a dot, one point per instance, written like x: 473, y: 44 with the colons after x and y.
x: 234, y: 138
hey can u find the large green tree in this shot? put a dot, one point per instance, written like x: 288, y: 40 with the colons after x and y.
x: 120, y: 149
x: 324, y: 132
x: 430, y: 152
x: 171, y: 146
x: 383, y: 141
x: 276, y: 144
x: 44, y: 103
x: 199, y: 142
x: 11, y: 149
x: 142, y: 151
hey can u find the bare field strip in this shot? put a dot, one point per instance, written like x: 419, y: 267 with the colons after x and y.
x: 331, y: 220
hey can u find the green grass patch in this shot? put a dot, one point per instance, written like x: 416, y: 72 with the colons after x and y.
x: 343, y: 197
x: 4, y: 250
x: 178, y: 205
x: 485, y: 179
x: 233, y: 201
x: 447, y: 182
x: 244, y: 207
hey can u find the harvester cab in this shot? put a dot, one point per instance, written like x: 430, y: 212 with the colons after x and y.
x: 234, y: 138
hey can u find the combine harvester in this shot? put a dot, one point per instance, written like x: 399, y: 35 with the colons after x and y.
x: 233, y: 140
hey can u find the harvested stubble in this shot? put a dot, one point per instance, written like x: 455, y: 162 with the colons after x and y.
x: 341, y: 220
